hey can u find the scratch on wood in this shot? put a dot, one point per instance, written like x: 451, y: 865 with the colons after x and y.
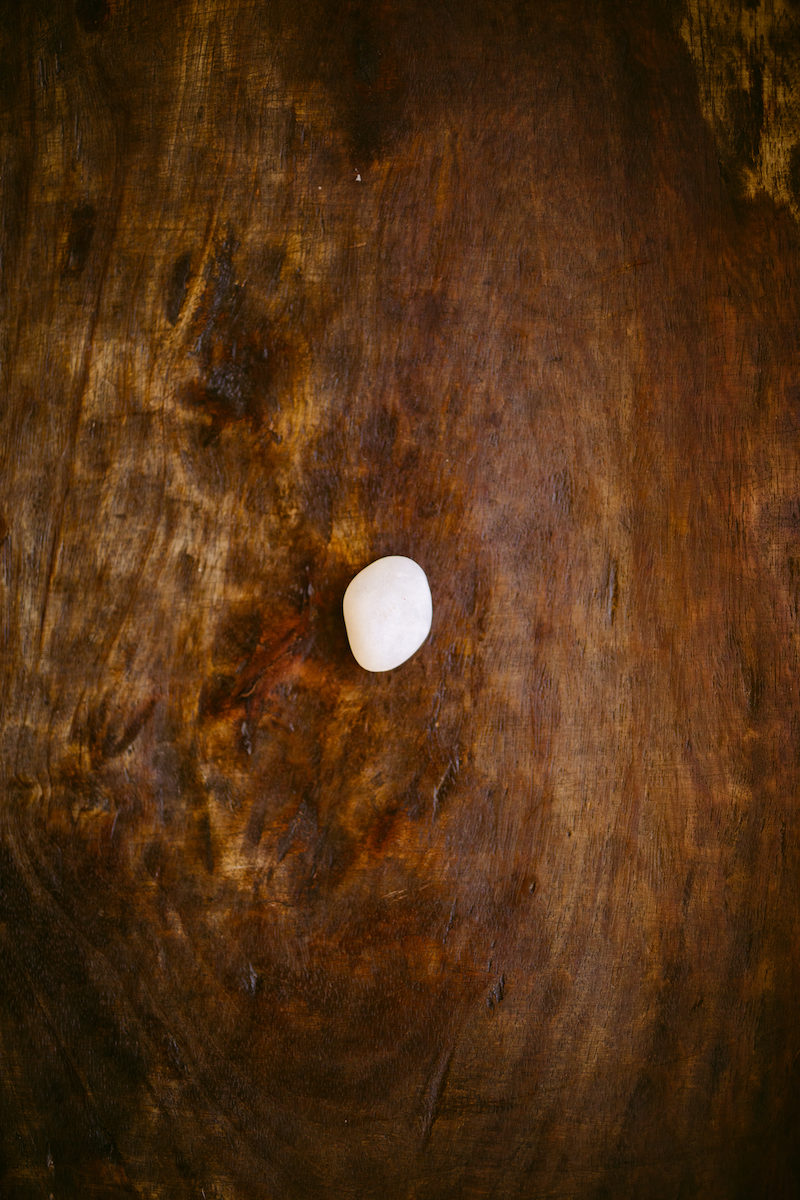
x: 450, y: 920
x: 433, y: 1092
x: 611, y: 590
x: 445, y: 784
x: 495, y: 997
x: 400, y: 893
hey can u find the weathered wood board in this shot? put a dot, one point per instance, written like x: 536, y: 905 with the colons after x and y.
x: 512, y: 288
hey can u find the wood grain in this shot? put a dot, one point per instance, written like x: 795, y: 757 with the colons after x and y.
x: 512, y: 288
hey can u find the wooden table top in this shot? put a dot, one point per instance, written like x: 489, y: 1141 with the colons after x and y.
x: 508, y: 287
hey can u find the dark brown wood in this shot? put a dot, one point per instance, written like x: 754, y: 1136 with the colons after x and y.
x: 509, y: 287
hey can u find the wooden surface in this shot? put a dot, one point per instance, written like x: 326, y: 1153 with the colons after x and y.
x: 512, y: 288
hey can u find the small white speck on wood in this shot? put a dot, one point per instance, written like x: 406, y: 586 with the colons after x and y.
x: 387, y: 612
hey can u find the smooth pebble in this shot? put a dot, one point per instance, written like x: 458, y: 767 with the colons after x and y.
x: 387, y: 612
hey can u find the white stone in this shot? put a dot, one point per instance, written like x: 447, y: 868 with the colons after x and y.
x: 387, y: 612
